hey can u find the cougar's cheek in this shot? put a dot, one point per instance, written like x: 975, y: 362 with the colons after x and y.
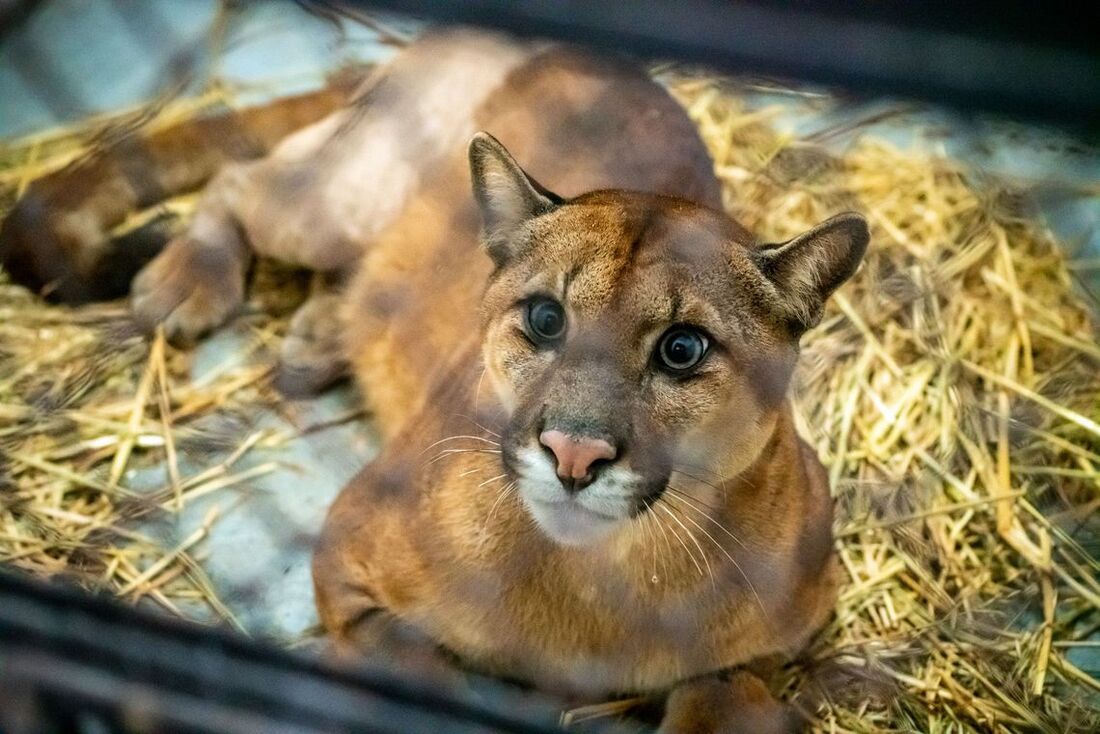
x: 500, y: 357
x: 512, y: 366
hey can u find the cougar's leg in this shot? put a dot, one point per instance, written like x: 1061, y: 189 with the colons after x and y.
x: 326, y: 193
x: 380, y: 638
x: 734, y: 703
x: 197, y: 282
x: 58, y: 237
x: 311, y: 357
x: 273, y: 207
x: 347, y: 559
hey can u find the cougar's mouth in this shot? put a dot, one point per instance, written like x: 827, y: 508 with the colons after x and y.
x: 567, y: 516
x: 569, y: 522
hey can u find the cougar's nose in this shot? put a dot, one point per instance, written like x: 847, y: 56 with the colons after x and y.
x: 576, y: 456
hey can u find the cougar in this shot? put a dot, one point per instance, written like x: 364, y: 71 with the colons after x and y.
x: 591, y: 480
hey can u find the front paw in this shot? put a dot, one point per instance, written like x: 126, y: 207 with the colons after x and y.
x: 190, y: 288
x: 311, y: 357
x: 736, y: 704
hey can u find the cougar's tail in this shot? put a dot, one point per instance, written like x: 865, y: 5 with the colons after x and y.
x: 57, y: 238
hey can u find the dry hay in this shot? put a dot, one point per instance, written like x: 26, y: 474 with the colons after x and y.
x: 86, y: 400
x: 952, y: 390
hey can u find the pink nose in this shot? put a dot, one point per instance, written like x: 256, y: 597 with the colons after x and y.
x: 576, y: 455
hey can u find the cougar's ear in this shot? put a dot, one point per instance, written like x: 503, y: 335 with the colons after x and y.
x: 508, y: 197
x: 807, y: 269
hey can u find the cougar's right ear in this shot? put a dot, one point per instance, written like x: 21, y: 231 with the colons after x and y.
x: 508, y: 197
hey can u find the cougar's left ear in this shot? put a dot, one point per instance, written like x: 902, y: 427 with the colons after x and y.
x: 508, y: 197
x: 807, y: 269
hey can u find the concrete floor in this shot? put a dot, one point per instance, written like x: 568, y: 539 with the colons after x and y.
x: 258, y: 550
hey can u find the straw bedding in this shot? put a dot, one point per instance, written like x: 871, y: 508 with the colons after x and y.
x: 953, y: 391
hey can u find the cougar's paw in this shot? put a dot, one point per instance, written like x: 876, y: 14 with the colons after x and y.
x: 189, y: 288
x: 311, y: 357
x: 736, y: 704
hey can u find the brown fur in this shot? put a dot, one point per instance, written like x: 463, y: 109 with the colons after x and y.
x: 57, y: 239
x: 721, y: 551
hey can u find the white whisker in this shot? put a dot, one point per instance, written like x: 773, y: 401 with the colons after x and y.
x: 683, y: 497
x: 492, y: 479
x: 454, y: 452
x: 456, y: 438
x: 732, y: 560
x: 504, y: 492
x: 474, y: 421
x: 694, y: 540
x: 664, y: 535
x: 646, y: 529
x: 715, y: 487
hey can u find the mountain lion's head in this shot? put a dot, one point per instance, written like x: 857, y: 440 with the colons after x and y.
x: 631, y: 336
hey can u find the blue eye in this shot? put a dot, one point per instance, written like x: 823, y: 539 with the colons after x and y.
x: 545, y: 320
x: 681, y: 349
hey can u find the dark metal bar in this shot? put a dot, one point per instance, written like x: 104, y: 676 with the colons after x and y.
x: 64, y: 653
x: 1005, y: 57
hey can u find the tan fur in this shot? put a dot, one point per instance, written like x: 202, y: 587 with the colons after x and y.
x: 429, y: 537
x: 57, y: 238
x: 721, y: 553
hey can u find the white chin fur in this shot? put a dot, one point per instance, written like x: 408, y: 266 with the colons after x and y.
x: 572, y: 519
x: 569, y: 523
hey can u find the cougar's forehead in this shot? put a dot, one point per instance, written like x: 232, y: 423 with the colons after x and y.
x: 641, y: 260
